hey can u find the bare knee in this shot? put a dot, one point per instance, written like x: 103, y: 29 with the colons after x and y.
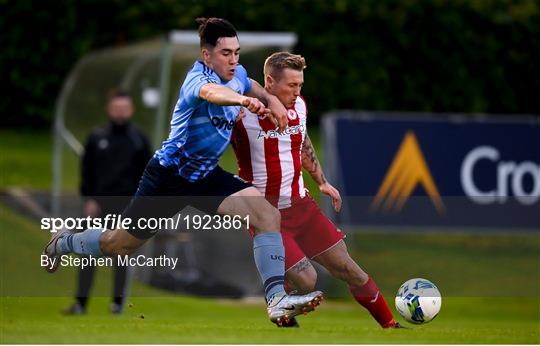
x: 263, y: 217
x: 267, y: 219
x: 116, y: 243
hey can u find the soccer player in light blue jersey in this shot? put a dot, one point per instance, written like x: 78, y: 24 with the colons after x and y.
x: 209, y: 103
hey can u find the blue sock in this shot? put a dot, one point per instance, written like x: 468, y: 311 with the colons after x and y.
x: 84, y: 243
x: 270, y: 260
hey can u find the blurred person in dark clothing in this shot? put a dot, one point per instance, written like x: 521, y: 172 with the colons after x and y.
x: 114, y: 159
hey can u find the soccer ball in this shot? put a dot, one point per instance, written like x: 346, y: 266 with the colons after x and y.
x: 418, y: 301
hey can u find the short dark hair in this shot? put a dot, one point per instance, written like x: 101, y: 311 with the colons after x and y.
x: 116, y: 93
x: 212, y: 29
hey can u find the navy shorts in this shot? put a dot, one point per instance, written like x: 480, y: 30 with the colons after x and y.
x: 163, y: 193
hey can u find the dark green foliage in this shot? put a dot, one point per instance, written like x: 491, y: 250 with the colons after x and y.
x: 418, y: 55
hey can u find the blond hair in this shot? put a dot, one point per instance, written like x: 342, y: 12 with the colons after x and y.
x: 276, y: 62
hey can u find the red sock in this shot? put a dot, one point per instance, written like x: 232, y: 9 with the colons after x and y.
x: 370, y: 298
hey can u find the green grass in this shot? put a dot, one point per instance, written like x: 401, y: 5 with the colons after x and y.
x: 31, y: 299
x: 490, y: 283
x: 25, y: 158
x: 192, y: 320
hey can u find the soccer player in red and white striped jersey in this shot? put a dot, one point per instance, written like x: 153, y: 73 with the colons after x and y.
x: 273, y: 162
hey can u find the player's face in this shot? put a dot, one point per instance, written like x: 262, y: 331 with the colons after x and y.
x: 287, y: 86
x: 120, y: 109
x: 224, y: 57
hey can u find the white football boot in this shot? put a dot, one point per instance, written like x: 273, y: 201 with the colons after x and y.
x: 283, y: 307
x: 50, y: 249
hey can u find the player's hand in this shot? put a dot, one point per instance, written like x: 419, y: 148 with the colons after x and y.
x: 91, y: 208
x: 331, y: 191
x: 255, y: 106
x: 279, y: 114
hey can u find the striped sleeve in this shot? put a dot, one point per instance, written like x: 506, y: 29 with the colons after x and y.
x: 193, y: 84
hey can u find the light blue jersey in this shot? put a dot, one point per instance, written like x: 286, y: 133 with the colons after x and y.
x: 200, y: 130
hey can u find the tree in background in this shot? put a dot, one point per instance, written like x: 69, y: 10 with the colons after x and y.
x: 415, y: 55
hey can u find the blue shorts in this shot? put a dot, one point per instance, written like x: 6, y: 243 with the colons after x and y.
x: 163, y: 193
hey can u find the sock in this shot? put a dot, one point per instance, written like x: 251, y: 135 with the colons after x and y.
x: 85, y: 243
x: 270, y: 260
x: 371, y: 298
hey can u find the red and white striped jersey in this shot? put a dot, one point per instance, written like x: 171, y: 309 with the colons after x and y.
x: 269, y: 160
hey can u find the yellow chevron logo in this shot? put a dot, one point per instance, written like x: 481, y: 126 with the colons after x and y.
x: 408, y: 169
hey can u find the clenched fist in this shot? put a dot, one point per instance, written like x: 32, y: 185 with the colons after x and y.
x: 255, y: 106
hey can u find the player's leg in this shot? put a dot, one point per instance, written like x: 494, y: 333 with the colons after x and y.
x: 299, y: 279
x: 322, y: 241
x: 245, y: 201
x: 268, y: 249
x: 363, y: 288
x: 248, y: 201
x: 95, y: 242
x: 300, y: 276
x: 119, y: 243
x: 337, y: 261
x: 156, y: 181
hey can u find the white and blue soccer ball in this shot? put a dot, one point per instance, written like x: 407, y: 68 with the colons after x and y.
x: 418, y: 301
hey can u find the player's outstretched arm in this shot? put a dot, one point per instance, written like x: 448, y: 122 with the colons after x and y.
x: 224, y: 96
x: 311, y: 164
x: 278, y: 111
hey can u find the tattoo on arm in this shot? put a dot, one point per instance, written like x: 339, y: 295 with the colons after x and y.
x: 311, y: 163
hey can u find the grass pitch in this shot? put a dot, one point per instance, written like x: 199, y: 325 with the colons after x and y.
x: 31, y: 301
x: 192, y: 320
x: 490, y: 285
